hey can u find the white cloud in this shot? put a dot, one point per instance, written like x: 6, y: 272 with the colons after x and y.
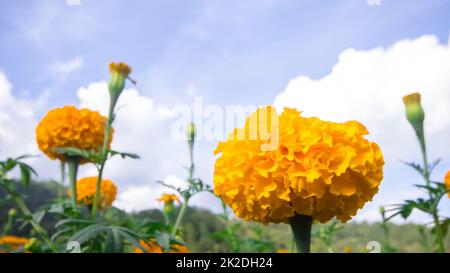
x: 142, y: 127
x: 368, y: 86
x: 17, y: 120
x: 61, y: 70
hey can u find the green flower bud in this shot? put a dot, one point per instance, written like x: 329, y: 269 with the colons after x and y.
x: 414, y: 112
x: 12, y: 213
x: 190, y: 132
x: 382, y: 210
x: 31, y: 244
x: 119, y: 74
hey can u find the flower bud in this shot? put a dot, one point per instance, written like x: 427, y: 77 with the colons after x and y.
x: 382, y: 210
x: 119, y: 73
x: 190, y: 131
x: 414, y: 111
x: 31, y: 244
x: 12, y: 212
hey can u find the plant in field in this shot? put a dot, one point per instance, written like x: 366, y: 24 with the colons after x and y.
x: 194, y: 185
x: 318, y: 170
x: 325, y: 234
x: 435, y: 190
x: 10, y: 186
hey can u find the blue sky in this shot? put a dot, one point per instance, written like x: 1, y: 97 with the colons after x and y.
x: 226, y: 52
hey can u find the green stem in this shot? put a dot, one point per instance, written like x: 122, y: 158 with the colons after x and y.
x: 26, y: 212
x: 7, y: 227
x: 186, y: 198
x: 63, y: 178
x: 179, y: 218
x: 301, y: 228
x: 73, y: 163
x: 434, y: 213
x: 104, y: 158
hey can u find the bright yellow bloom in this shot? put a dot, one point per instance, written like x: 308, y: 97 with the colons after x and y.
x: 447, y: 182
x: 121, y: 68
x: 319, y: 168
x: 168, y: 198
x: 70, y: 127
x: 86, y: 188
x: 282, y: 250
x: 153, y: 247
x: 13, y: 242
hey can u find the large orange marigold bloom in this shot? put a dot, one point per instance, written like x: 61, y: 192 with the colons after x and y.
x: 70, y: 127
x: 319, y: 168
x: 86, y: 188
x: 152, y: 247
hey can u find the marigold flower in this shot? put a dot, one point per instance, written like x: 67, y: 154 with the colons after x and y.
x: 347, y: 249
x: 70, y: 127
x: 121, y: 68
x: 320, y: 169
x: 13, y: 242
x: 282, y: 250
x: 168, y: 198
x: 152, y: 247
x: 447, y: 182
x: 86, y: 188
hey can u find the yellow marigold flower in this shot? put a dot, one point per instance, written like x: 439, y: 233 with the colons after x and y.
x: 168, y: 198
x: 121, y: 68
x: 13, y: 242
x: 70, y: 127
x: 152, y: 247
x: 319, y: 168
x: 86, y: 188
x: 282, y: 250
x: 347, y: 249
x: 447, y: 182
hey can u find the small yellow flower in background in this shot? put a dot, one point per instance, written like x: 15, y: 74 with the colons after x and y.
x: 86, y: 188
x: 152, y: 247
x: 347, y: 249
x: 447, y: 182
x: 282, y: 250
x: 13, y: 242
x: 414, y: 111
x: 70, y: 127
x: 168, y: 198
x: 320, y: 169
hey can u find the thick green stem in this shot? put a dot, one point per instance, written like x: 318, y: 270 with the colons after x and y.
x: 73, y: 163
x: 437, y: 226
x: 301, y: 228
x: 63, y: 178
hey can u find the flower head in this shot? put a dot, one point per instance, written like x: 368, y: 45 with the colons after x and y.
x: 13, y: 242
x: 70, y: 127
x: 119, y: 74
x: 168, y: 198
x: 152, y: 247
x: 319, y: 168
x: 447, y: 182
x: 347, y: 249
x: 414, y: 111
x: 86, y: 188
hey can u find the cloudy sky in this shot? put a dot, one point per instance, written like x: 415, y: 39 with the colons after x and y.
x: 337, y: 60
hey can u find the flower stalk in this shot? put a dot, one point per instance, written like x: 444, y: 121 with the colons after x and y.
x: 73, y: 163
x: 301, y: 228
